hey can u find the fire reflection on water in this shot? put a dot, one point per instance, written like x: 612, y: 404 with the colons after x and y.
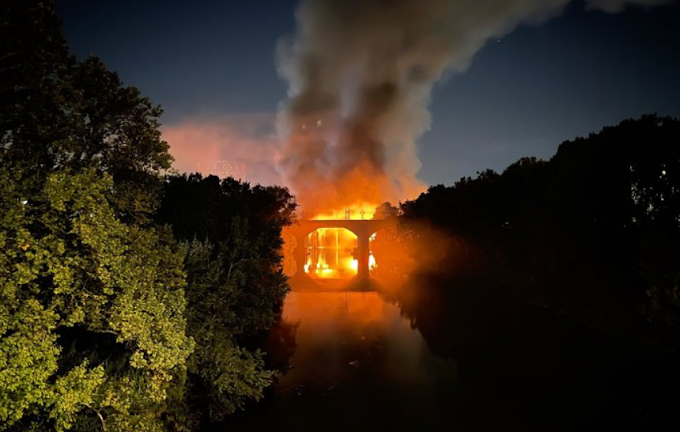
x: 342, y: 335
x: 351, y: 360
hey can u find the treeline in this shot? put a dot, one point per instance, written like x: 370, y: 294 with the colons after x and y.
x: 594, y: 232
x: 129, y: 300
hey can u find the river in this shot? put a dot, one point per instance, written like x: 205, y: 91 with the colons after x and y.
x: 434, y: 360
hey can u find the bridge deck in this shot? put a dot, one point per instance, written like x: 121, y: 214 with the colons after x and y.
x: 363, y: 229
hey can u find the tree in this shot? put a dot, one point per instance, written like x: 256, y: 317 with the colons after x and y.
x: 236, y: 285
x: 92, y: 327
x: 91, y: 311
x: 655, y: 195
x: 57, y: 112
x: 386, y: 211
x: 594, y: 231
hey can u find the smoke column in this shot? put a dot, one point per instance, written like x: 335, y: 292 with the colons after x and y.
x: 360, y: 76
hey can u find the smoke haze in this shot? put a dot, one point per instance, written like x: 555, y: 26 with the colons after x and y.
x: 360, y: 76
x: 248, y: 138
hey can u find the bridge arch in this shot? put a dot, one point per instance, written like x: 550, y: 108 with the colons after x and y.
x: 309, y: 230
x: 362, y: 229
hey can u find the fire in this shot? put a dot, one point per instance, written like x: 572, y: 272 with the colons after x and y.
x: 332, y: 252
x: 371, y: 263
x: 358, y: 211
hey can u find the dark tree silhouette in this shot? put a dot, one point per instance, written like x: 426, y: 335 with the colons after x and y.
x: 235, y: 287
x: 592, y: 232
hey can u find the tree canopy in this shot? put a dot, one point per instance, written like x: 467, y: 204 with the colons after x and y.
x: 107, y: 322
x: 236, y: 282
x: 58, y: 112
x: 594, y: 231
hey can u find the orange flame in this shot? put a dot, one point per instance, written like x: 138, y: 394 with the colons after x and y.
x: 332, y: 252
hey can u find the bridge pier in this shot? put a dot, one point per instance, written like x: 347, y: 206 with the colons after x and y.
x: 363, y: 250
x: 300, y: 256
x: 363, y: 229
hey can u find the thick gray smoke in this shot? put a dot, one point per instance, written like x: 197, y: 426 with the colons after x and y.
x: 613, y: 6
x: 361, y: 73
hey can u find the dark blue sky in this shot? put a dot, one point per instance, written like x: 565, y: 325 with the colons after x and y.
x: 213, y: 61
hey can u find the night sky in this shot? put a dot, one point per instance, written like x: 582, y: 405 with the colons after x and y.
x: 211, y: 66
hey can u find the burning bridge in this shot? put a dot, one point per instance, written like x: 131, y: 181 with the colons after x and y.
x: 295, y: 236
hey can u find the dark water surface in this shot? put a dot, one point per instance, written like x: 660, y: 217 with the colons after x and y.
x: 439, y: 360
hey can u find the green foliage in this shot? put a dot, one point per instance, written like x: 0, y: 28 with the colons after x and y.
x: 28, y: 358
x: 58, y: 113
x: 235, y: 283
x: 71, y: 264
x: 72, y: 392
x: 95, y: 326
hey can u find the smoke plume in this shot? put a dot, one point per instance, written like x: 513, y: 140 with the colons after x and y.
x: 360, y: 76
